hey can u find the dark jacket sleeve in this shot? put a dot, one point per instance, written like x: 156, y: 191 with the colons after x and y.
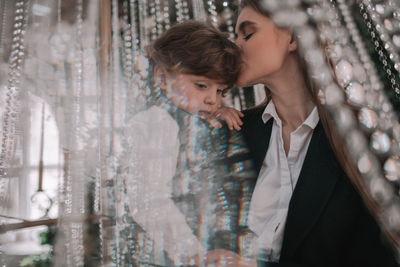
x: 368, y: 246
x: 363, y: 245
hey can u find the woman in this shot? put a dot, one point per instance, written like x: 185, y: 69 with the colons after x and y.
x: 304, y: 210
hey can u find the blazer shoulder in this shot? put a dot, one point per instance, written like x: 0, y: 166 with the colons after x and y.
x: 252, y: 114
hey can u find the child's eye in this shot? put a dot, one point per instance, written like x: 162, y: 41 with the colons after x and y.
x: 222, y: 92
x: 248, y: 36
x: 201, y: 86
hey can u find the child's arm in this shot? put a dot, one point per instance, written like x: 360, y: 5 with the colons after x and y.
x: 231, y: 116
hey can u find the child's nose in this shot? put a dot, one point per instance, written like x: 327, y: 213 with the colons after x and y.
x: 211, y: 99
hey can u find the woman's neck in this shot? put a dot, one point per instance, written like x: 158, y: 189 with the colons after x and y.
x: 289, y: 92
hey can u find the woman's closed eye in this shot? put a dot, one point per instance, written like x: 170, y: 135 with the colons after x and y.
x: 248, y: 36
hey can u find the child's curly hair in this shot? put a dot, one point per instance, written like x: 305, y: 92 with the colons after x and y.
x: 197, y: 48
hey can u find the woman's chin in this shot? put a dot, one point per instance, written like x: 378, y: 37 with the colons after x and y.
x: 244, y: 82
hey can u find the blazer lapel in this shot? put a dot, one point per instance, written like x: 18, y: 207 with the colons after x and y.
x: 316, y: 183
x: 261, y: 147
x: 257, y: 135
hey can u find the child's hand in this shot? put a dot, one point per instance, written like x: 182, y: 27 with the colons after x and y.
x: 231, y: 116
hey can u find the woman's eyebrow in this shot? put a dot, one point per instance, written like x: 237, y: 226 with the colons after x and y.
x: 243, y: 25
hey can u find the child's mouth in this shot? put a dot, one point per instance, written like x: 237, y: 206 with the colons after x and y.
x: 204, y: 114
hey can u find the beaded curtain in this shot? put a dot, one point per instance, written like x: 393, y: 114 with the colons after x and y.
x: 82, y: 60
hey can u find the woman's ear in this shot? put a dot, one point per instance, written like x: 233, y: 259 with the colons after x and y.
x: 160, y: 77
x: 293, y: 42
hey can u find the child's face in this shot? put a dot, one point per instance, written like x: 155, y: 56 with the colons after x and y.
x: 194, y: 94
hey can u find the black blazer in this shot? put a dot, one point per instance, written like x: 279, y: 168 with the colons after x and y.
x: 327, y: 222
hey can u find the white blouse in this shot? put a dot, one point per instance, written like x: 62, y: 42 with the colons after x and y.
x: 276, y: 182
x: 153, y: 135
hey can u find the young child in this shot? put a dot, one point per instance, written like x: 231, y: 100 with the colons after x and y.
x: 193, y: 65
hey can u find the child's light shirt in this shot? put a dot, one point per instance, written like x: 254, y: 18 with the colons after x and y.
x: 153, y: 134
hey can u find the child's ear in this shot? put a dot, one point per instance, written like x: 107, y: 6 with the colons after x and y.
x: 160, y: 77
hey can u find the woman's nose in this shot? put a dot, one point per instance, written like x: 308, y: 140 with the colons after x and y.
x: 238, y: 43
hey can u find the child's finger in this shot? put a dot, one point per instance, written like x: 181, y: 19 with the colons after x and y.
x: 217, y: 114
x: 237, y: 113
x: 236, y: 124
x: 218, y: 124
x: 237, y: 127
x: 240, y: 114
x: 236, y: 116
x: 229, y: 122
x: 215, y: 123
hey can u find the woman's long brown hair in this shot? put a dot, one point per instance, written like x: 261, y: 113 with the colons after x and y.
x: 335, y: 139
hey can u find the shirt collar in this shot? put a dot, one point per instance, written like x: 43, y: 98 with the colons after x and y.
x: 312, y: 119
x: 270, y: 112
